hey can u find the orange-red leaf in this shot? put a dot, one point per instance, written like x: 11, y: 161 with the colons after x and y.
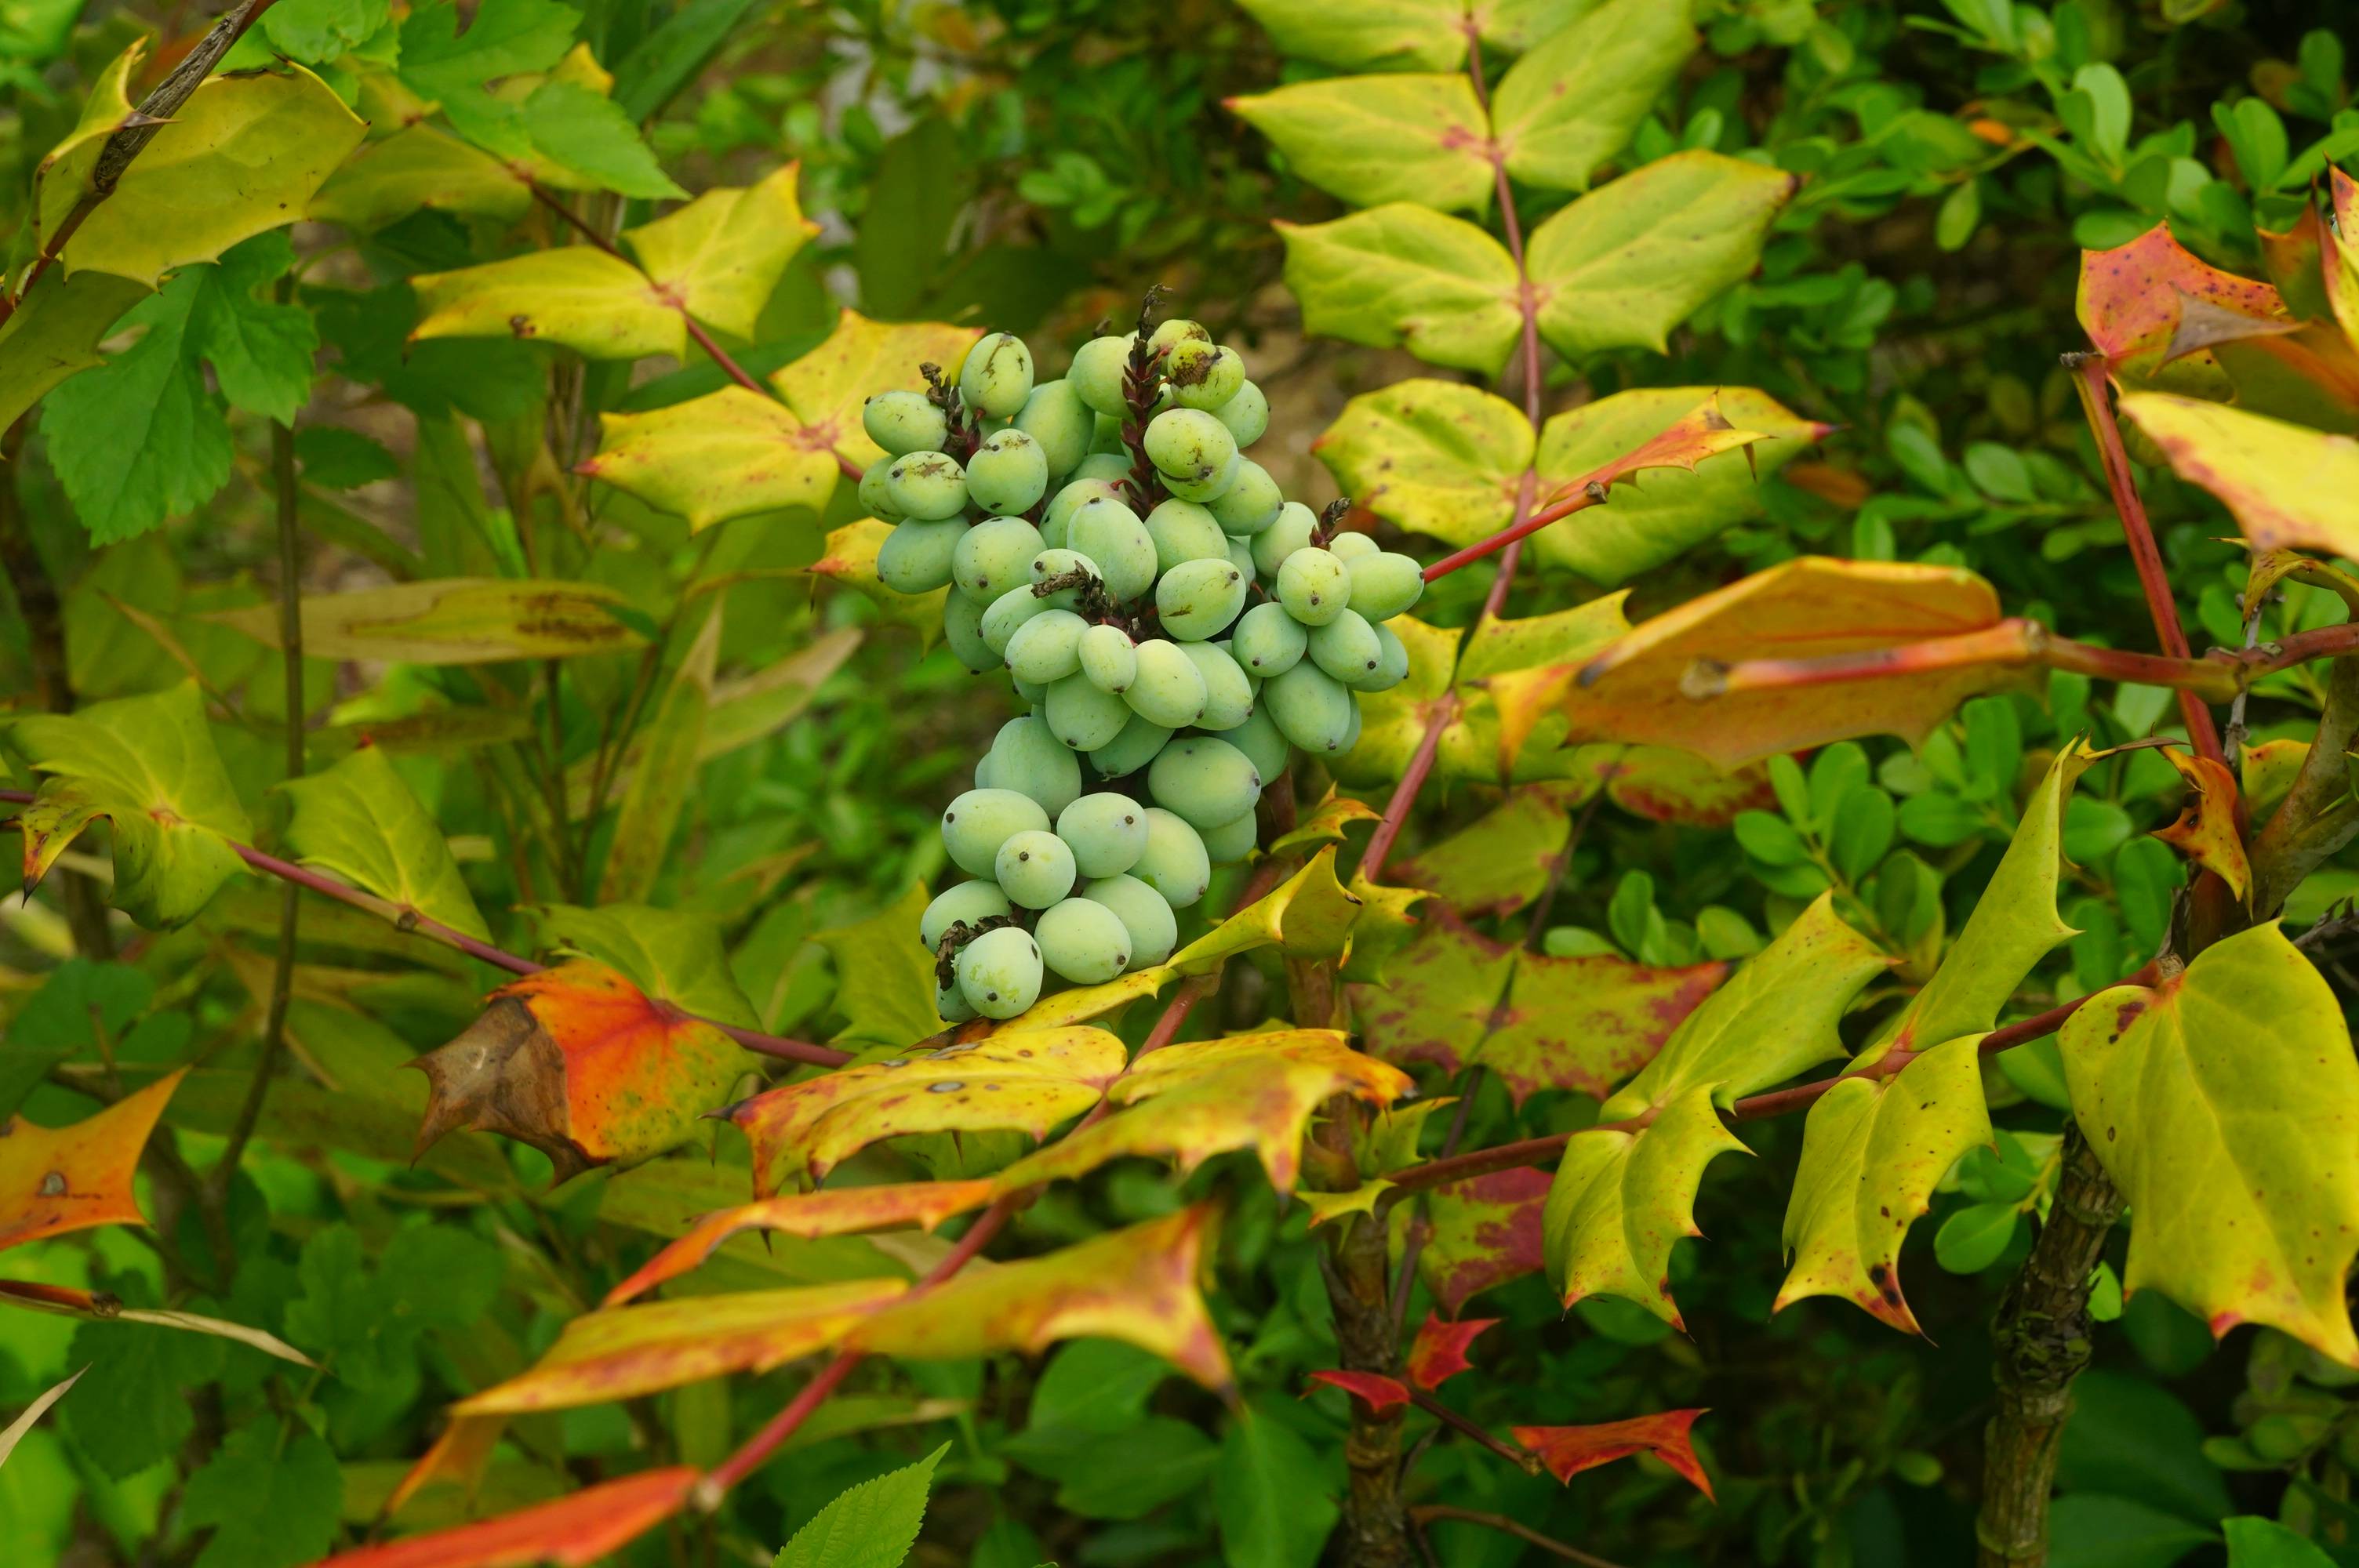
x: 55, y: 1179
x: 581, y: 1065
x: 1138, y: 1285
x: 1439, y: 1352
x: 1567, y: 1451
x: 1486, y: 1231
x: 1025, y: 1079
x: 625, y: 1351
x: 1373, y: 1389
x: 1701, y: 432
x: 2134, y: 297
x: 843, y: 1211
x: 2206, y: 829
x: 458, y: 1456
x: 572, y: 1532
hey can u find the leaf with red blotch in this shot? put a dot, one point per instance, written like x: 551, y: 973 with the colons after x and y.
x: 1567, y: 1451
x: 1439, y: 1352
x: 572, y: 1532
x: 843, y: 1211
x: 1664, y: 784
x: 57, y: 1179
x: 623, y: 1352
x: 1501, y: 860
x: 2133, y: 300
x: 1138, y: 1285
x: 581, y: 1065
x: 1026, y: 1080
x: 1701, y: 432
x: 1190, y: 1102
x: 1485, y: 1231
x: 2206, y: 829
x: 1457, y: 998
x: 1373, y: 1389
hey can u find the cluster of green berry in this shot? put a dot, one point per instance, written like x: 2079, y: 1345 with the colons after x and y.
x: 1175, y: 622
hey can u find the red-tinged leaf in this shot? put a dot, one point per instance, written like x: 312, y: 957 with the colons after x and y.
x: 1484, y: 1232
x: 2206, y: 829
x: 1439, y: 1352
x: 458, y: 1457
x: 1373, y: 1389
x: 2132, y: 297
x: 572, y: 1532
x: 623, y: 1352
x: 1703, y: 432
x: 1502, y: 859
x: 57, y: 1179
x: 1138, y: 1285
x: 1027, y: 1080
x: 581, y: 1065
x: 1567, y: 1451
x: 1668, y: 786
x: 843, y: 1211
x: 1190, y: 1102
x: 1457, y: 998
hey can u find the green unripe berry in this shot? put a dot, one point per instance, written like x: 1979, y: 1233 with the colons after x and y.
x: 1198, y: 600
x: 994, y: 556
x: 876, y: 492
x: 1241, y: 557
x: 1168, y: 689
x: 1292, y: 530
x: 969, y: 902
x: 1144, y: 913
x: 1268, y: 641
x: 1384, y: 583
x: 1109, y: 533
x: 1034, y: 868
x: 1055, y: 417
x: 916, y: 556
x: 1083, y: 717
x: 1056, y: 521
x: 1228, y: 694
x: 1083, y: 941
x: 1311, y: 709
x: 998, y: 375
x: 1392, y: 663
x: 1057, y: 562
x: 1000, y: 972
x: 927, y: 485
x: 1202, y: 376
x: 1048, y: 647
x: 1137, y: 746
x: 1097, y: 372
x: 1251, y: 502
x: 1027, y: 758
x: 963, y: 630
x: 1183, y: 531
x: 1114, y: 465
x: 1259, y: 740
x: 951, y: 1004
x: 1006, y: 613
x: 1008, y: 473
x: 1314, y: 586
x: 1106, y: 832
x: 1108, y: 658
x: 1246, y: 415
x: 1204, y: 492
x: 1348, y: 546
x: 1346, y: 647
x: 903, y: 422
x: 977, y: 823
x: 1206, y: 781
x: 1188, y: 445
x: 1174, y: 863
x: 1176, y: 331
x: 1228, y: 842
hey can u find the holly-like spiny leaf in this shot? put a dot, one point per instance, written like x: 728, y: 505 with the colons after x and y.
x: 1439, y: 1352
x: 731, y: 453
x: 720, y: 258
x: 2206, y: 831
x: 1501, y: 860
x: 1573, y: 103
x: 1668, y: 786
x: 674, y: 955
x: 2223, y: 1102
x: 1137, y: 1286
x: 55, y: 331
x: 841, y: 1211
x: 584, y: 1067
x: 594, y: 303
x: 828, y: 386
x: 2289, y: 487
x: 148, y: 766
x: 63, y: 179
x: 1308, y: 915
x: 1373, y: 1389
x: 1027, y: 1081
x: 572, y: 1532
x: 1410, y: 136
x: 418, y: 167
x: 452, y: 620
x: 1325, y: 823
x: 55, y: 1180
x: 1620, y: 1199
x: 1485, y: 1231
x: 1567, y: 1451
x: 359, y: 821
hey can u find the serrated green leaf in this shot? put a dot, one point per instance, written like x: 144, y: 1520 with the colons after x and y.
x: 589, y: 134
x: 1624, y: 264
x: 1572, y: 103
x: 1621, y: 1200
x: 672, y: 954
x: 2221, y: 1102
x: 129, y: 1411
x: 1404, y: 275
x: 1434, y: 456
x: 502, y: 39
x: 271, y: 1504
x: 873, y: 1525
x: 260, y: 349
x: 317, y: 31
x: 359, y: 821
x: 1372, y: 139
x: 884, y: 976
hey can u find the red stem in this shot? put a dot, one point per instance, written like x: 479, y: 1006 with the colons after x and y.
x: 1420, y: 767
x: 1579, y: 501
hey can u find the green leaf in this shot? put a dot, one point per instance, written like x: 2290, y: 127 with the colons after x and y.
x: 667, y: 59
x: 873, y: 1525
x: 148, y: 764
x: 590, y: 135
x: 55, y: 333
x: 130, y: 1410
x: 506, y: 37
x: 665, y: 774
x: 1573, y: 103
x: 1624, y: 264
x: 2256, y: 1542
x: 884, y: 976
x: 673, y: 954
x: 1096, y: 1385
x: 1392, y: 34
x: 1270, y: 1493
x: 1372, y: 139
x: 2091, y: 1530
x: 2136, y: 1439
x: 1971, y: 1239
x: 1621, y: 1200
x: 260, y: 349
x: 2221, y: 1103
x: 337, y: 458
x: 1656, y: 517
x: 317, y: 31
x: 1437, y: 458
x: 78, y: 1004
x: 272, y: 1504
x: 419, y: 166
x: 346, y: 1317
x: 1404, y: 275
x: 360, y: 822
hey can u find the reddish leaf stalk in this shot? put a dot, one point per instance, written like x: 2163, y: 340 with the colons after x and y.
x: 1522, y: 1458
x: 1579, y: 501
x: 1428, y: 1513
x: 1421, y: 768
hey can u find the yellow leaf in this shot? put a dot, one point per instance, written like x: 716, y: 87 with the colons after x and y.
x: 54, y: 1180
x: 62, y: 178
x: 2288, y: 486
x: 720, y: 258
x: 827, y: 386
x: 851, y: 559
x: 597, y: 304
x: 1621, y: 1200
x: 453, y: 621
x: 419, y: 166
x: 1404, y: 136
x: 2206, y: 829
x: 731, y: 453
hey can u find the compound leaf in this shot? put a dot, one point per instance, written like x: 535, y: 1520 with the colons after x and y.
x: 731, y: 453
x: 1402, y: 276
x: 720, y: 258
x: 1410, y: 137
x: 1572, y: 103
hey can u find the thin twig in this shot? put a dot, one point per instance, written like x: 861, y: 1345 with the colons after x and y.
x: 1523, y: 1459
x: 1427, y: 1513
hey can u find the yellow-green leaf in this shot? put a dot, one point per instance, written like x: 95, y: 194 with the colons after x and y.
x: 1404, y: 275
x: 1308, y: 915
x: 148, y: 766
x: 1624, y: 264
x: 419, y: 166
x: 1573, y: 103
x: 1373, y: 139
x: 2223, y: 1103
x: 596, y: 304
x: 665, y: 774
x: 359, y: 821
x: 720, y: 258
x: 62, y: 178
x: 1872, y: 1151
x: 1392, y: 35
x: 1621, y: 1200
x: 1433, y: 457
x: 243, y: 154
x: 827, y: 386
x: 731, y: 453
x: 454, y: 620
x: 55, y: 331
x: 2288, y: 486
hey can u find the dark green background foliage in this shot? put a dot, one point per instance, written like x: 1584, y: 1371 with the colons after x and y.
x: 1033, y: 165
